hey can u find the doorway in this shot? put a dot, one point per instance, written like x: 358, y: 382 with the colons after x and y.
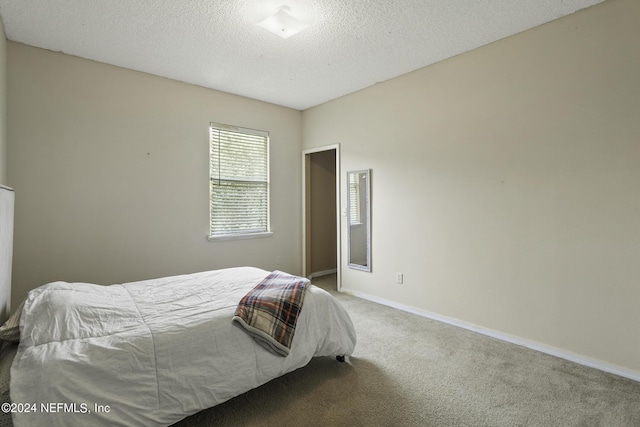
x: 321, y: 215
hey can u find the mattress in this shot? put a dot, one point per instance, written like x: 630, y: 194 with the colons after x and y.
x: 153, y: 352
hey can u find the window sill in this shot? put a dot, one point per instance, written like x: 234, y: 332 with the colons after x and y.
x: 239, y: 236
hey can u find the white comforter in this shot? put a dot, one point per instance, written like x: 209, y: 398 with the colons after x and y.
x: 153, y: 352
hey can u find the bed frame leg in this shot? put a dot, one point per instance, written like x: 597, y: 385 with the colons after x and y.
x: 340, y: 358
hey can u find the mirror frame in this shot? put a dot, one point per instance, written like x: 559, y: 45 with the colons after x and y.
x: 367, y: 209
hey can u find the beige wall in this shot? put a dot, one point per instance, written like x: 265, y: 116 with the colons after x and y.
x: 110, y: 169
x: 505, y: 184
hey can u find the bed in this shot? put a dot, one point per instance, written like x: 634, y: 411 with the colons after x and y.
x: 153, y: 352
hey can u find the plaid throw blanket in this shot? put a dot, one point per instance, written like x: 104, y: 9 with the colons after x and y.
x: 269, y: 312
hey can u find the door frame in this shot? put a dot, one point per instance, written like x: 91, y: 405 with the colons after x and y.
x: 305, y: 175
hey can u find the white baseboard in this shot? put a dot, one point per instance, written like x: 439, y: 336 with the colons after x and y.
x: 322, y: 273
x: 563, y: 354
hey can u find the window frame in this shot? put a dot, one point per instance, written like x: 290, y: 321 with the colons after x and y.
x: 242, y: 234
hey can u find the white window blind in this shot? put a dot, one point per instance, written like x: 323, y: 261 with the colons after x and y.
x: 354, y: 199
x: 239, y: 181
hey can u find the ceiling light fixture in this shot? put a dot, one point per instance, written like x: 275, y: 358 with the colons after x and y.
x: 282, y: 24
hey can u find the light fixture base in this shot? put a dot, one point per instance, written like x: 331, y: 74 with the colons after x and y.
x: 282, y: 24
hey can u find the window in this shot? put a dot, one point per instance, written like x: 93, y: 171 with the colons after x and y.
x: 239, y: 182
x: 354, y: 198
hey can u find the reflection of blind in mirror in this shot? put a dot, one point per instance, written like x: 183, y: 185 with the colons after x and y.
x: 354, y: 199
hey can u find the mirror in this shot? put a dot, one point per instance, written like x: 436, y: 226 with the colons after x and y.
x: 358, y: 220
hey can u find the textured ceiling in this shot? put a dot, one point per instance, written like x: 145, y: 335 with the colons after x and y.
x: 350, y: 45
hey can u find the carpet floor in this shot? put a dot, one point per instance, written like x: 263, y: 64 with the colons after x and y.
x: 411, y: 371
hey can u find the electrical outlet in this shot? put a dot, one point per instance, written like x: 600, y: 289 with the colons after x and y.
x: 399, y: 278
